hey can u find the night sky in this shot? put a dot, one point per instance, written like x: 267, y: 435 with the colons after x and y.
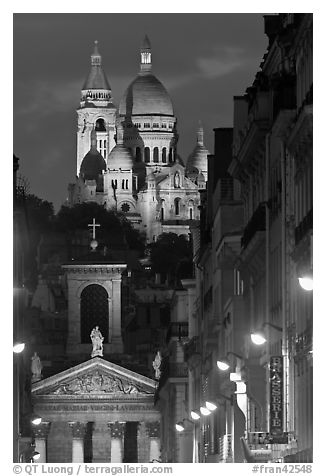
x: 202, y: 59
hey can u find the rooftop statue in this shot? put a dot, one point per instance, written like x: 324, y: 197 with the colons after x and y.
x: 97, y: 341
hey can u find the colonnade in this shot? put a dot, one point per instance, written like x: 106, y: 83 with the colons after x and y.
x: 107, y: 441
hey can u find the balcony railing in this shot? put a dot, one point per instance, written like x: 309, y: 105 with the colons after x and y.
x: 191, y: 348
x: 179, y: 221
x: 177, y: 329
x: 256, y: 223
x: 172, y: 370
x: 303, y: 345
x: 225, y: 449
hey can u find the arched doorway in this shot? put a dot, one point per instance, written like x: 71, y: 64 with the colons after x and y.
x: 94, y: 311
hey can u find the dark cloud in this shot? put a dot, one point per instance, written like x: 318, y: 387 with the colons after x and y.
x: 202, y: 59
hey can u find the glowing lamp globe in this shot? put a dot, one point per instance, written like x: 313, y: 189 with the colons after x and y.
x: 306, y: 282
x: 222, y: 365
x: 258, y: 339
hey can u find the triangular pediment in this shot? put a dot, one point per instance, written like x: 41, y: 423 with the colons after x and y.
x: 187, y: 183
x: 93, y: 378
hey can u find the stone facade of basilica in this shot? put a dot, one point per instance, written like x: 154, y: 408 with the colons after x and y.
x: 127, y: 157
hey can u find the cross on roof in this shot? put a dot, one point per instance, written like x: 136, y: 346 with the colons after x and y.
x: 94, y: 225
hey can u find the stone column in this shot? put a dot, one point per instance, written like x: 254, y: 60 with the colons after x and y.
x: 142, y: 443
x: 117, y: 434
x: 101, y: 443
x: 116, y: 315
x: 153, y: 433
x: 40, y: 433
x: 78, y: 432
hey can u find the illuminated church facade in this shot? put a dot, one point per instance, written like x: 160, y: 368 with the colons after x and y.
x: 127, y: 157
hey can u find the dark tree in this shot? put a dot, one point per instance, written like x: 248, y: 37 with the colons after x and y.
x: 172, y: 255
x: 115, y: 229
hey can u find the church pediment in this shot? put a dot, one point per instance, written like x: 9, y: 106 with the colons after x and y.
x: 95, y: 378
x: 186, y: 184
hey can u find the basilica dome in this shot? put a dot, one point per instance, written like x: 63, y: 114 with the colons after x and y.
x: 146, y: 95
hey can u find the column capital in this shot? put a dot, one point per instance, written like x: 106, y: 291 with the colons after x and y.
x: 153, y: 429
x: 117, y: 429
x: 77, y: 428
x: 41, y: 430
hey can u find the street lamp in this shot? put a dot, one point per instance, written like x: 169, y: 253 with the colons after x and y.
x: 29, y: 455
x: 195, y: 415
x: 36, y: 419
x: 211, y: 406
x: 204, y: 411
x: 18, y: 347
x: 306, y: 281
x: 180, y: 426
x: 258, y: 337
x: 224, y: 363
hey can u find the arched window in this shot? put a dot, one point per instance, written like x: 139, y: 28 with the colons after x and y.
x: 162, y: 209
x: 123, y: 184
x: 155, y: 157
x: 147, y: 154
x: 126, y: 184
x: 170, y: 155
x: 191, y: 209
x: 164, y: 155
x: 94, y: 311
x: 177, y: 206
x: 138, y: 154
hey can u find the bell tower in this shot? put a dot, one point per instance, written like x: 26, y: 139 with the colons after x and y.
x: 94, y: 299
x: 96, y: 111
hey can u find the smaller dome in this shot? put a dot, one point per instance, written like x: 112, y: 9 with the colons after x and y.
x: 120, y: 156
x: 197, y: 160
x: 93, y: 164
x: 200, y: 177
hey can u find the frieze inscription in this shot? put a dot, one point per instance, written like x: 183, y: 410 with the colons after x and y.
x: 97, y: 383
x: 87, y: 408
